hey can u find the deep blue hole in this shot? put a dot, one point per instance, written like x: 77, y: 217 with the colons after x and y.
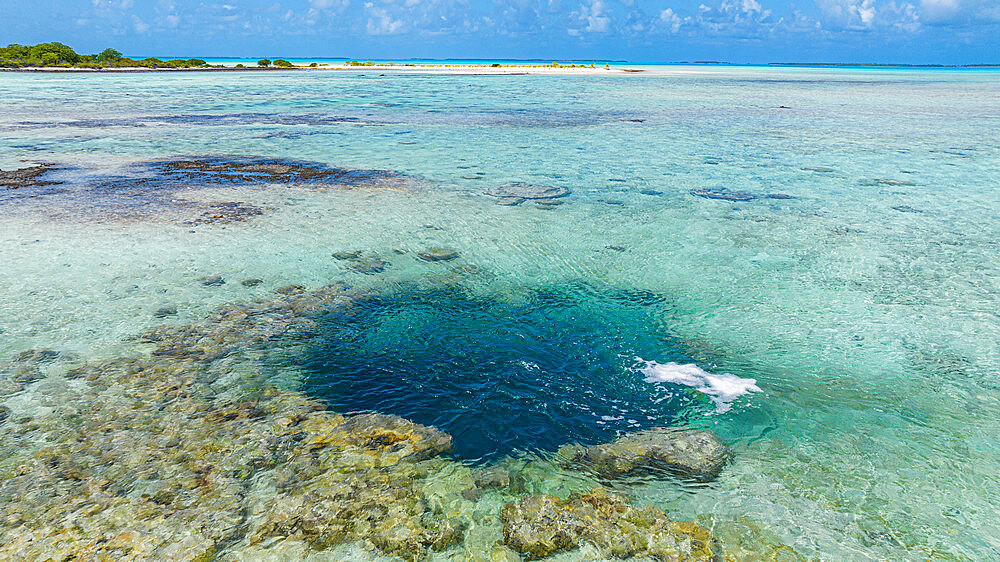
x: 551, y: 367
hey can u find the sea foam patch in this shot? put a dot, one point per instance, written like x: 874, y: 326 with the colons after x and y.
x: 722, y: 389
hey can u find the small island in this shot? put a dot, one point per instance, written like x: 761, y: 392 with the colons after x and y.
x: 57, y: 56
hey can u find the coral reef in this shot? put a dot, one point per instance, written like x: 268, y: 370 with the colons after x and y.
x: 542, y: 525
x: 171, y: 189
x: 191, y: 453
x: 187, y: 454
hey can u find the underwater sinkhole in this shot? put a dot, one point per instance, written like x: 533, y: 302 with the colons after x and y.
x: 549, y: 367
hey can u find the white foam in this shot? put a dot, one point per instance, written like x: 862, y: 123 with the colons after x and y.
x: 721, y: 389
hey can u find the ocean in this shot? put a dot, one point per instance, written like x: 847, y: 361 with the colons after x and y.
x: 802, y: 261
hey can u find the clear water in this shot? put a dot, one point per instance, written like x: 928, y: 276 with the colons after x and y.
x: 866, y: 310
x: 501, y: 377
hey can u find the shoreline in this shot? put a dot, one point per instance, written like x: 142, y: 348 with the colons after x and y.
x: 512, y: 70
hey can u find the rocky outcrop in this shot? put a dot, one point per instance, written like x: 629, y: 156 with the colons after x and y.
x: 695, y: 454
x: 541, y: 525
x: 510, y: 194
x: 26, y: 177
x: 438, y: 254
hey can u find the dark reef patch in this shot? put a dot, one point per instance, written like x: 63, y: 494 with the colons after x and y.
x: 168, y: 188
x: 26, y: 177
x: 208, y: 119
x: 726, y: 195
x: 723, y: 194
x: 225, y: 212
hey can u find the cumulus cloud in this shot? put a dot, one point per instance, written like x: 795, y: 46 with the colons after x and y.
x: 851, y: 14
x: 595, y: 17
x: 139, y: 25
x: 329, y: 4
x: 670, y: 18
x: 380, y: 22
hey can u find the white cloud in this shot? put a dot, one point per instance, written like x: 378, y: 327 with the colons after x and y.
x: 139, y: 25
x: 595, y: 17
x: 381, y: 22
x: 855, y: 14
x: 328, y: 4
x: 671, y: 19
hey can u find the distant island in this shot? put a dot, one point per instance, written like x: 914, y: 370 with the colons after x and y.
x: 57, y: 55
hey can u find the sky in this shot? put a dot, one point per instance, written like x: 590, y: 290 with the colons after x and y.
x: 737, y: 31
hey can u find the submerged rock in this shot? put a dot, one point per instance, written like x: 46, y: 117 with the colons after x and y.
x: 889, y: 181
x: 695, y: 454
x: 36, y: 356
x: 438, y: 254
x: 527, y: 191
x: 251, y: 282
x: 26, y: 177
x: 499, y: 478
x: 367, y: 266
x: 723, y: 194
x: 346, y: 254
x: 651, y: 192
x: 165, y: 311
x: 291, y: 290
x: 510, y: 201
x: 212, y: 281
x: 548, y: 202
x: 542, y: 525
x: 228, y: 212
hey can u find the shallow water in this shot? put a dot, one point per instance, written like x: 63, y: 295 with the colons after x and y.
x: 864, y: 304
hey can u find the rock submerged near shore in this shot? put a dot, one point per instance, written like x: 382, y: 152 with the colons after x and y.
x: 689, y: 454
x: 190, y: 454
x: 541, y: 525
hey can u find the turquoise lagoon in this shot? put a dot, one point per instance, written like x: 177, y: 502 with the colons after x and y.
x: 856, y: 280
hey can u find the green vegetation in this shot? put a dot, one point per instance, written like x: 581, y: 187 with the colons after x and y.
x: 359, y: 63
x: 264, y: 63
x: 281, y: 63
x: 62, y: 56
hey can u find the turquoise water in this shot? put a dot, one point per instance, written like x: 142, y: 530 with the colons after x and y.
x: 864, y: 303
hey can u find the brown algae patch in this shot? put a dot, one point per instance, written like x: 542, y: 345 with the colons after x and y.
x: 190, y: 453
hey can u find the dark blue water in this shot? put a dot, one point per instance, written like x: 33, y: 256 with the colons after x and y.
x: 555, y: 366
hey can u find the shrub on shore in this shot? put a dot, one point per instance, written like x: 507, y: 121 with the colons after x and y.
x: 60, y: 55
x: 281, y: 63
x: 264, y: 63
